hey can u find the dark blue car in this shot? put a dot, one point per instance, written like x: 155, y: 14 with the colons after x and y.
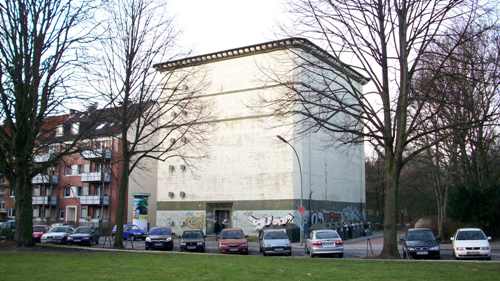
x: 132, y: 232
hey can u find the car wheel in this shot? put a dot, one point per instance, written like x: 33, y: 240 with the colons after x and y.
x: 341, y: 255
x: 311, y: 254
x: 306, y: 251
x: 147, y: 248
x: 404, y: 254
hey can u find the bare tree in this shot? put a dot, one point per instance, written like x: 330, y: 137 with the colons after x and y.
x: 385, y: 41
x: 157, y: 112
x: 39, y: 43
x: 465, y: 85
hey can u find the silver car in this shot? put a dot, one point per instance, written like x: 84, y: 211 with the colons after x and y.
x: 324, y: 242
x: 274, y: 242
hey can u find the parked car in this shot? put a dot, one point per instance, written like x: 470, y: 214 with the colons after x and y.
x: 324, y: 242
x: 233, y: 240
x: 274, y: 242
x: 420, y: 243
x: 132, y: 232
x: 9, y: 224
x: 38, y: 231
x: 471, y: 243
x: 160, y: 238
x: 86, y: 235
x: 58, y: 234
x: 193, y: 240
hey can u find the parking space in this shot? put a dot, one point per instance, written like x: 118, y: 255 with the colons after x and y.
x: 356, y: 248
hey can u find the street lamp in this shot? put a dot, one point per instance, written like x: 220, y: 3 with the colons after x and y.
x: 302, y: 233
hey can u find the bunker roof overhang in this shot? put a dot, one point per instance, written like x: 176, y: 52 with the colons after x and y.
x: 282, y: 44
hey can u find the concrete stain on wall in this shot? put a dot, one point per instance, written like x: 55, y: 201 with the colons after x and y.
x: 264, y: 221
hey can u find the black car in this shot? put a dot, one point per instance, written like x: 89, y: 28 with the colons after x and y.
x: 420, y: 243
x: 160, y: 238
x: 193, y: 240
x: 84, y: 235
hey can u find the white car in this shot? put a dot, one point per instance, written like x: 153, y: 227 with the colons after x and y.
x: 324, y: 242
x: 57, y: 234
x: 471, y: 243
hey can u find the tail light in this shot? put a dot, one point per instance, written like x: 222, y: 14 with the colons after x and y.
x: 317, y: 243
x: 339, y: 242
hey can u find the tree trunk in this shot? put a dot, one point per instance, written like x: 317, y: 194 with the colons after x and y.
x: 121, y: 212
x: 391, y: 189
x: 23, y: 205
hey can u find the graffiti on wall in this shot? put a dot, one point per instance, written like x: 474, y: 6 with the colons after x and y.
x: 347, y: 214
x: 320, y: 217
x: 193, y: 221
x: 262, y: 222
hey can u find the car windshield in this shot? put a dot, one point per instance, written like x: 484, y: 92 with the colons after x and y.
x: 39, y: 228
x: 275, y: 235
x: 134, y: 227
x: 83, y: 230
x: 192, y: 235
x: 420, y: 236
x: 59, y: 229
x: 160, y: 231
x: 327, y: 235
x: 232, y: 234
x: 471, y: 235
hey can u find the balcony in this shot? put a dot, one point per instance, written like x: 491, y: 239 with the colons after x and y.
x: 44, y: 200
x: 96, y: 177
x: 43, y: 158
x: 44, y: 179
x: 99, y: 153
x: 94, y: 200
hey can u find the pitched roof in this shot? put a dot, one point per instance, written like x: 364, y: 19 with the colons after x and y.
x: 282, y: 44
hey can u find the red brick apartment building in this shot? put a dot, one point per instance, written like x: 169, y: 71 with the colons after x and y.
x: 81, y: 188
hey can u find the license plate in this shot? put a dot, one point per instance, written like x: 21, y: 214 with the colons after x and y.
x: 422, y: 253
x: 278, y: 249
x: 191, y: 247
x: 77, y: 240
x: 158, y: 244
x: 233, y: 250
x: 328, y: 244
x: 473, y: 253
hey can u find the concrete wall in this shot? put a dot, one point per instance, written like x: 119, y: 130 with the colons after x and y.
x: 245, y: 161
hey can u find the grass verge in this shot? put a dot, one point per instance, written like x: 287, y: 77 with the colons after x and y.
x: 76, y: 266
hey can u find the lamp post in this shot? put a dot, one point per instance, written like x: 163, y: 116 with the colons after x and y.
x: 302, y: 232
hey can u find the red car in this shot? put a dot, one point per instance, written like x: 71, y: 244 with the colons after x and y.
x: 38, y: 231
x: 233, y: 240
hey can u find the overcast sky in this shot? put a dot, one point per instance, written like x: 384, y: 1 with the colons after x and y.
x: 209, y: 26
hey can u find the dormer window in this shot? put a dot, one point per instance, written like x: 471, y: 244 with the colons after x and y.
x: 75, y: 128
x: 59, y: 131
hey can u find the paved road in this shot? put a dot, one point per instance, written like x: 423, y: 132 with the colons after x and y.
x: 355, y: 248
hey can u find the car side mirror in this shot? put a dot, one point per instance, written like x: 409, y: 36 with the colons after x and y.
x: 452, y: 238
x: 489, y: 238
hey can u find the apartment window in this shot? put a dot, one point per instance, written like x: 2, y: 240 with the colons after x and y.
x: 67, y: 191
x: 74, y: 170
x: 75, y: 128
x: 171, y: 169
x: 84, y: 212
x: 61, y: 213
x: 183, y: 168
x: 36, y: 212
x: 11, y: 212
x: 36, y: 191
x: 97, y: 213
x: 12, y: 192
x: 85, y: 189
x: 43, y: 212
x: 2, y: 205
x: 59, y: 131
